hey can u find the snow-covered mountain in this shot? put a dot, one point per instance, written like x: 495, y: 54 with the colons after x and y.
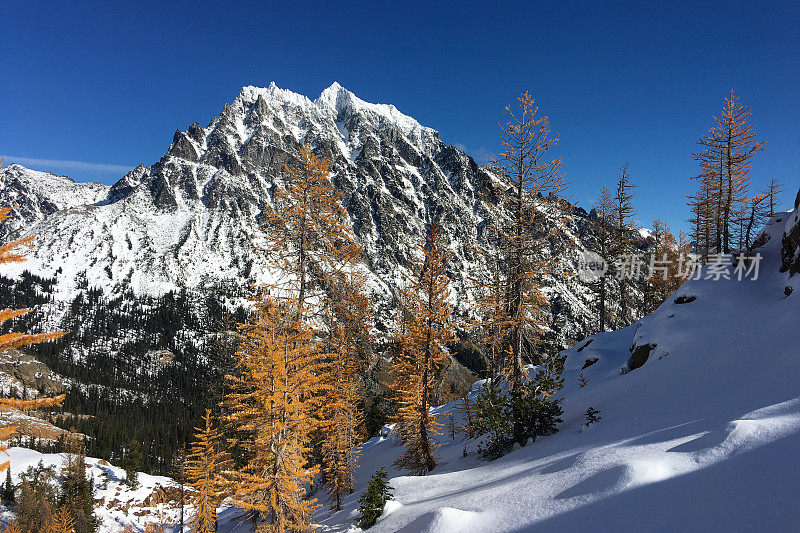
x: 191, y: 219
x: 699, y: 432
x: 38, y: 195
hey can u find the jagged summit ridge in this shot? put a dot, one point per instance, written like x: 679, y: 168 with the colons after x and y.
x: 334, y: 102
x: 37, y: 195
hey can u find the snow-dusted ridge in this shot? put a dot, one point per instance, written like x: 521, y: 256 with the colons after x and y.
x: 37, y: 195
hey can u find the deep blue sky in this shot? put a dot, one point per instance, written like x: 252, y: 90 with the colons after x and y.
x: 88, y: 83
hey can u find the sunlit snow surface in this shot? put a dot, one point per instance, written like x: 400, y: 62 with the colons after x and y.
x: 704, y: 437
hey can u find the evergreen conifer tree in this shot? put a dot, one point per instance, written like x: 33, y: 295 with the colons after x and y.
x: 77, y: 492
x: 623, y: 213
x: 179, y: 475
x: 592, y: 416
x: 374, y: 499
x: 36, y: 498
x: 493, y: 422
x: 604, y: 226
x: 469, y: 415
x: 8, y: 490
x: 132, y: 462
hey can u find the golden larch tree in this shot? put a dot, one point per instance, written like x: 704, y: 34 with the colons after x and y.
x: 666, y: 276
x: 535, y: 213
x: 729, y: 149
x: 307, y: 227
x: 426, y: 326
x: 312, y: 244
x: 276, y: 393
x: 703, y: 220
x: 61, y: 522
x: 774, y: 189
x: 206, y: 463
x: 12, y: 527
x: 348, y: 321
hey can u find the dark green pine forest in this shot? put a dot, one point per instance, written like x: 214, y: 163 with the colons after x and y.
x: 138, y: 368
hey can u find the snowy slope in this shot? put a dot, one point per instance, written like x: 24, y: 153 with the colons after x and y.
x: 116, y: 505
x: 702, y: 437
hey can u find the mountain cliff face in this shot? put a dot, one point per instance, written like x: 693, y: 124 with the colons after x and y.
x: 191, y: 219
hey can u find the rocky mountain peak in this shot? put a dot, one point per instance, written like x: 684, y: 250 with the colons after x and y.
x: 190, y: 220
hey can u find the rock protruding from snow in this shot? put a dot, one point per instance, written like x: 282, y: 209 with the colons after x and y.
x: 790, y: 242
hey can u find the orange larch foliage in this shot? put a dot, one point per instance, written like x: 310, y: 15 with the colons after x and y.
x: 313, y: 245
x: 516, y: 308
x: 276, y: 392
x: 12, y: 527
x: 206, y: 463
x: 347, y: 318
x: 61, y: 522
x: 729, y: 149
x: 307, y: 227
x: 425, y: 327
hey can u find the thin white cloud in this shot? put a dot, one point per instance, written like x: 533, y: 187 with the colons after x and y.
x: 481, y: 155
x: 81, y: 166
